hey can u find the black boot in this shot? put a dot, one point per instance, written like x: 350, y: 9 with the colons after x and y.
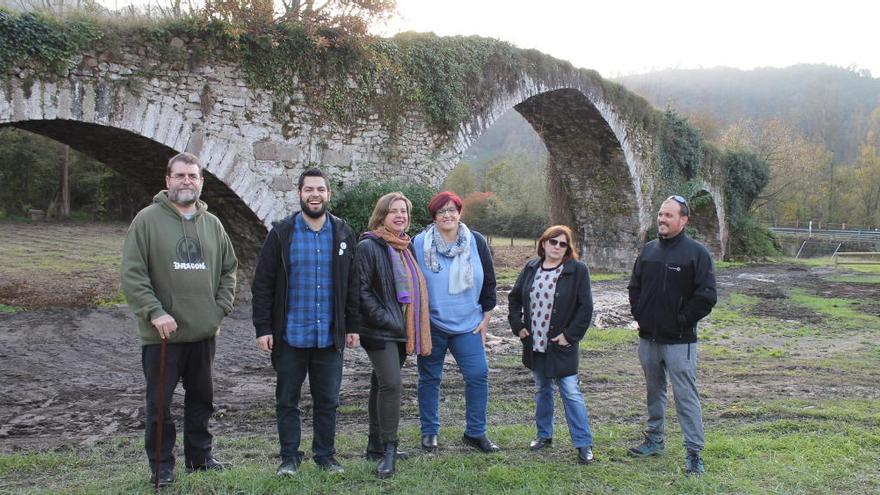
x: 375, y: 449
x: 386, y: 466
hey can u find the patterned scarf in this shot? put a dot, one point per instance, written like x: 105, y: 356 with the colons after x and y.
x: 412, y: 293
x: 461, y: 272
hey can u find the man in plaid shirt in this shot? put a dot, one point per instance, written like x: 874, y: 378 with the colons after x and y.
x: 305, y: 313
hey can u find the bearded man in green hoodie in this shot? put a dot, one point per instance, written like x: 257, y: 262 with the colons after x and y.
x: 178, y: 276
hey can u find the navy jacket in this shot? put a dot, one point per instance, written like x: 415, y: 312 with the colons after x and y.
x: 270, y: 284
x: 572, y: 313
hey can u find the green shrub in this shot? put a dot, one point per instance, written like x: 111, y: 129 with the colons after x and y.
x: 681, y: 148
x: 750, y: 239
x: 41, y: 41
x: 355, y: 204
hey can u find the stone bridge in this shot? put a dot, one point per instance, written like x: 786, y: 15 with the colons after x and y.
x: 131, y: 110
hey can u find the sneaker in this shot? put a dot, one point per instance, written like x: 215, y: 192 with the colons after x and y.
x: 647, y: 448
x: 693, y: 463
x: 330, y: 464
x: 288, y: 467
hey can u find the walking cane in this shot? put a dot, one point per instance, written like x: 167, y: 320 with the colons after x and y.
x: 161, y: 404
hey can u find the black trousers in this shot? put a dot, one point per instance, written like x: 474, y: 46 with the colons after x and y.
x: 386, y: 387
x: 189, y: 362
x: 324, y: 370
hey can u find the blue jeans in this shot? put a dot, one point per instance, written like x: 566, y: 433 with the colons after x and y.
x: 467, y: 349
x: 576, y: 414
x: 324, y: 370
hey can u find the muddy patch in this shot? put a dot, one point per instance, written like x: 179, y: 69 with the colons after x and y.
x: 72, y: 376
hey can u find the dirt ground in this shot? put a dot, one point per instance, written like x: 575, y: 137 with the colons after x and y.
x: 71, y: 376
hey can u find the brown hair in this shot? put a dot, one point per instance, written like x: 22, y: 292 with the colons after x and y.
x: 184, y: 158
x: 380, y: 211
x: 555, y: 231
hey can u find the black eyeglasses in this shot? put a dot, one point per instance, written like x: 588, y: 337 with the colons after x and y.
x: 554, y: 242
x: 683, y: 202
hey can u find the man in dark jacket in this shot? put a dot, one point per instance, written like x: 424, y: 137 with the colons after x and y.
x: 672, y: 287
x: 305, y: 313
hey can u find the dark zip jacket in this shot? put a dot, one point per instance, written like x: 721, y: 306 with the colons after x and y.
x: 572, y: 313
x: 672, y: 288
x: 380, y: 314
x: 270, y: 285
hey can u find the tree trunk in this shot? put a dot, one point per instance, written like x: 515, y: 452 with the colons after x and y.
x: 64, y: 211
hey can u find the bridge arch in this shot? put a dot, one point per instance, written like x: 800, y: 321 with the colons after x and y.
x: 594, y: 169
x: 143, y: 160
x: 600, y: 138
x: 136, y: 137
x: 707, y: 221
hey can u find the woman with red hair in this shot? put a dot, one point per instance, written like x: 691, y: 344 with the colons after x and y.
x: 551, y: 306
x: 460, y: 277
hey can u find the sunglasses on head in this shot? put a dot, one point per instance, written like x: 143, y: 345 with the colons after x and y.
x: 554, y: 242
x: 680, y: 200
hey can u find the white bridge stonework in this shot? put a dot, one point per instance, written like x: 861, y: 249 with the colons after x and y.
x: 133, y: 112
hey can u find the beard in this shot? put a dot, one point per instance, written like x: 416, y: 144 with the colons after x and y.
x: 184, y: 196
x: 312, y: 214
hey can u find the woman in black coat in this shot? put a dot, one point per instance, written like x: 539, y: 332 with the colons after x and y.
x: 551, y: 306
x: 395, y: 319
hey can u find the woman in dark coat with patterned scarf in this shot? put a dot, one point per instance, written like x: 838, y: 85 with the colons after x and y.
x: 551, y: 306
x: 394, y: 319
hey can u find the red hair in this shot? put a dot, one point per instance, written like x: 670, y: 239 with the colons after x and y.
x: 440, y: 199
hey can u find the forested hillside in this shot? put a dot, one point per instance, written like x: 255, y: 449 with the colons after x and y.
x: 827, y: 105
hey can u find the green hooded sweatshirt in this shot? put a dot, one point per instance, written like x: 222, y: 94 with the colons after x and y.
x: 184, y: 268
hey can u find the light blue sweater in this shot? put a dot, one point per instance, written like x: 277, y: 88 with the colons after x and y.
x: 457, y: 313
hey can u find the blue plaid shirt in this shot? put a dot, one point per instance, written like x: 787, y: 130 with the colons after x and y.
x: 310, y: 293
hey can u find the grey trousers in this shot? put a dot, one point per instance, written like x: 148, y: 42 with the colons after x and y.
x: 679, y: 361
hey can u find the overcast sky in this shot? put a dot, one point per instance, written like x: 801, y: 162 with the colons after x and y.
x: 619, y: 37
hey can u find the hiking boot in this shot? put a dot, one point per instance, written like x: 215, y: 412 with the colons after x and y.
x: 646, y: 449
x: 693, y: 463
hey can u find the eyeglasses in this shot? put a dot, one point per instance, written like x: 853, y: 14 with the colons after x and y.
x: 446, y: 211
x: 182, y: 177
x: 554, y: 242
x: 683, y: 202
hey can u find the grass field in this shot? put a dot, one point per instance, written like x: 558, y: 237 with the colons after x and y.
x: 789, y: 389
x: 757, y: 441
x: 779, y: 447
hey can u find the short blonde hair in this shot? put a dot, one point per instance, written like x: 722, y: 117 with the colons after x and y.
x: 380, y: 211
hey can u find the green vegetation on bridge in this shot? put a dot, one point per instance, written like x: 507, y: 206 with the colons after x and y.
x: 351, y: 78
